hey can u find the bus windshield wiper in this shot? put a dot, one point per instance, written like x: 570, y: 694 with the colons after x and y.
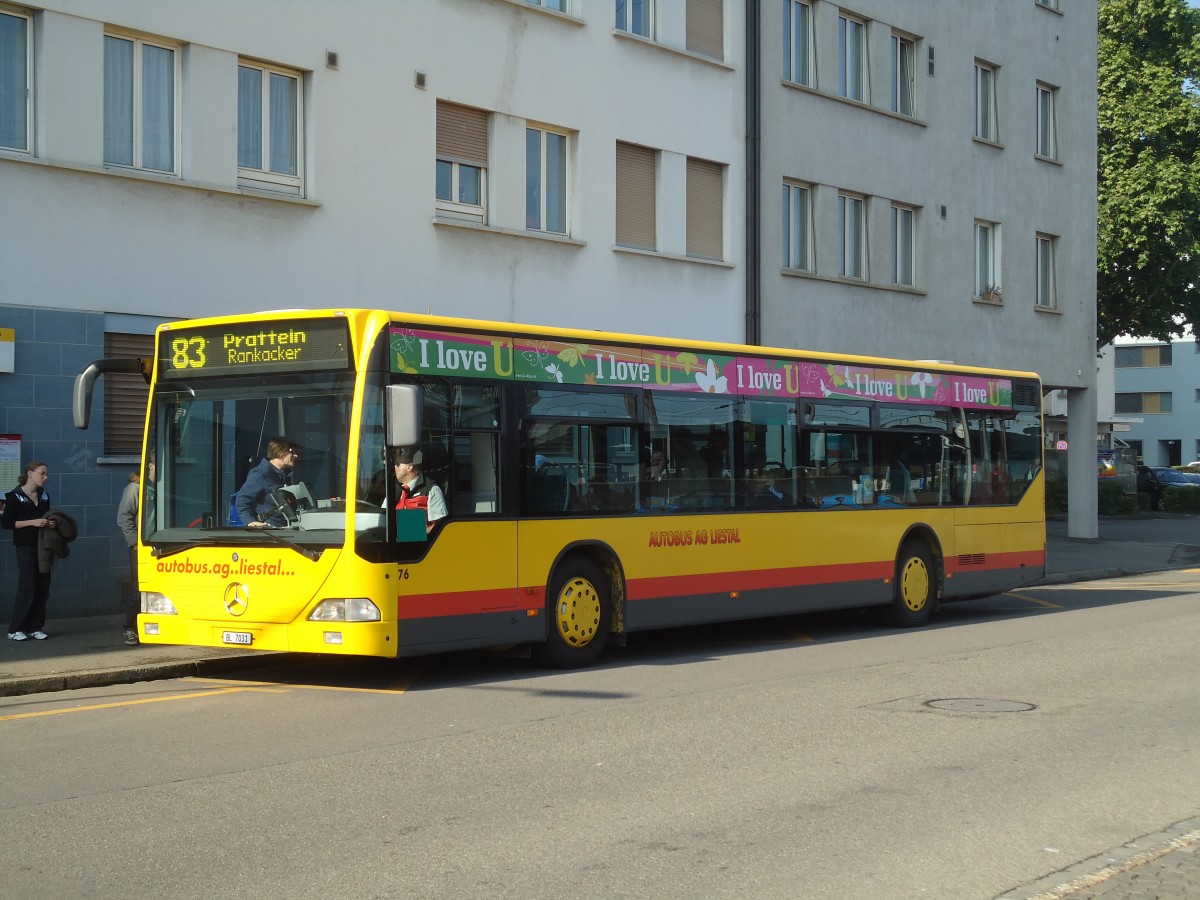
x: 314, y: 555
x: 161, y: 550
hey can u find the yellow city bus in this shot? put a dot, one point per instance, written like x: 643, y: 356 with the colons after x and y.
x: 596, y: 484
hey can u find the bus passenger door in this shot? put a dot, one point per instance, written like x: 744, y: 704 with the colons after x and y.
x: 462, y: 587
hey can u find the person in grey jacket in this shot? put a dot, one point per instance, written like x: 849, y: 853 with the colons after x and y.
x: 127, y: 521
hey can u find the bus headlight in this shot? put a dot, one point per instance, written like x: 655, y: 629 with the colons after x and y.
x: 350, y: 609
x: 158, y: 604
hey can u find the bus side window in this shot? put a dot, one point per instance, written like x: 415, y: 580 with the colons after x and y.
x: 475, y: 481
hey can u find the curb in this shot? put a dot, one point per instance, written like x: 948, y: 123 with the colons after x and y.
x: 70, y: 681
x: 1103, y: 866
x: 1092, y: 575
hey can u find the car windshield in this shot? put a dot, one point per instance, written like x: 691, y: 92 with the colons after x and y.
x: 1173, y: 476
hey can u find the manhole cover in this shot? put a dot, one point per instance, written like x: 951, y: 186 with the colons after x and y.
x: 974, y: 704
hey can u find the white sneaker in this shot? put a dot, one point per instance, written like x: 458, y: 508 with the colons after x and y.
x: 17, y: 636
x: 39, y: 635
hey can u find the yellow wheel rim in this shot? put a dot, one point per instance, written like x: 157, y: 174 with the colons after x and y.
x: 577, y: 612
x: 914, y: 584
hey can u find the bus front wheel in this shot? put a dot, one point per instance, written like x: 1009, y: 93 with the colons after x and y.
x: 916, y: 587
x: 580, y: 609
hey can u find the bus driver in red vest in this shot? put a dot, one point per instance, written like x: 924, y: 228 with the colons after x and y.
x: 417, y: 491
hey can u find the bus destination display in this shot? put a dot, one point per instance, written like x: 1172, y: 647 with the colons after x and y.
x: 254, y: 348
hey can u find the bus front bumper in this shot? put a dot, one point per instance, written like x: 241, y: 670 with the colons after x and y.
x: 349, y: 638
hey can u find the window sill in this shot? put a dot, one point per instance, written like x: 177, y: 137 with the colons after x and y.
x: 1047, y: 159
x: 460, y: 224
x: 987, y: 142
x: 543, y: 11
x: 1049, y: 310
x: 987, y: 302
x: 1049, y: 9
x: 853, y: 282
x: 674, y: 51
x: 857, y: 104
x: 673, y: 257
x: 155, y: 178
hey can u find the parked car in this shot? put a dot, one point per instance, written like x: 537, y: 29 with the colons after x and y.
x: 1154, y: 480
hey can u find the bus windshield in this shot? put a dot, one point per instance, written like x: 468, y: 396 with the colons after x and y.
x: 205, y: 436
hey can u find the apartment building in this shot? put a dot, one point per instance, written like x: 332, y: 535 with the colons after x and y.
x: 892, y: 177
x: 1157, y: 390
x: 927, y: 189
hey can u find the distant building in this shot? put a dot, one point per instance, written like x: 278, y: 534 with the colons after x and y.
x: 1157, y: 387
x: 887, y: 177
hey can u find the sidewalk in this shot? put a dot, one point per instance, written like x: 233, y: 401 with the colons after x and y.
x: 90, y: 651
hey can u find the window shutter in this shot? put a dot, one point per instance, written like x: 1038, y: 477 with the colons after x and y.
x: 705, y: 216
x: 462, y: 133
x: 125, y: 396
x: 635, y: 196
x: 706, y: 27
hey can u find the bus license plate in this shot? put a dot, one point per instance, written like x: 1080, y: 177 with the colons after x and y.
x: 236, y: 637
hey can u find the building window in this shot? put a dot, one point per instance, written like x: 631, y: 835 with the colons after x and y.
x: 125, y: 395
x: 545, y: 180
x: 706, y: 27
x: 636, y: 201
x: 851, y: 53
x: 985, y: 102
x: 1153, y: 356
x: 557, y: 5
x: 1150, y: 403
x: 16, y: 77
x: 139, y: 104
x: 1047, y: 290
x: 1049, y: 4
x: 902, y: 245
x: 903, y: 84
x: 797, y: 227
x: 1047, y: 130
x: 987, y: 261
x: 705, y: 209
x: 851, y: 227
x: 462, y: 149
x: 636, y: 17
x: 269, y: 128
x: 797, y: 42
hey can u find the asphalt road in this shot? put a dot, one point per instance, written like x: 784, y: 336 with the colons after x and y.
x: 815, y: 757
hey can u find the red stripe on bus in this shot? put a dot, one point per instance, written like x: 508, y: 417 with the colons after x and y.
x: 725, y: 582
x: 994, y: 561
x: 461, y: 603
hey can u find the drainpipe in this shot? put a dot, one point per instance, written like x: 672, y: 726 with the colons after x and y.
x: 753, y: 198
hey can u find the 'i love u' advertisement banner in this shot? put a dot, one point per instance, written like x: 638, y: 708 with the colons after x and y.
x: 457, y: 355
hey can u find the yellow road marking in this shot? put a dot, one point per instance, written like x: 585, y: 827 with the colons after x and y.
x: 1045, y: 603
x: 1123, y: 585
x: 798, y: 638
x: 120, y: 703
x: 313, y: 687
x: 401, y: 685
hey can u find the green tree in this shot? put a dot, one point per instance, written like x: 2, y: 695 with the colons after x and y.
x: 1148, y: 236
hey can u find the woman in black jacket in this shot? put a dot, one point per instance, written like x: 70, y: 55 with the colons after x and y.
x: 25, y: 509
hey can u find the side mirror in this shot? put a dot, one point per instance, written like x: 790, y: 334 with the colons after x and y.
x: 404, y: 405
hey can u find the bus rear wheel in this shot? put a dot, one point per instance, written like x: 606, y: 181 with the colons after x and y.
x: 916, y: 587
x: 580, y: 608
